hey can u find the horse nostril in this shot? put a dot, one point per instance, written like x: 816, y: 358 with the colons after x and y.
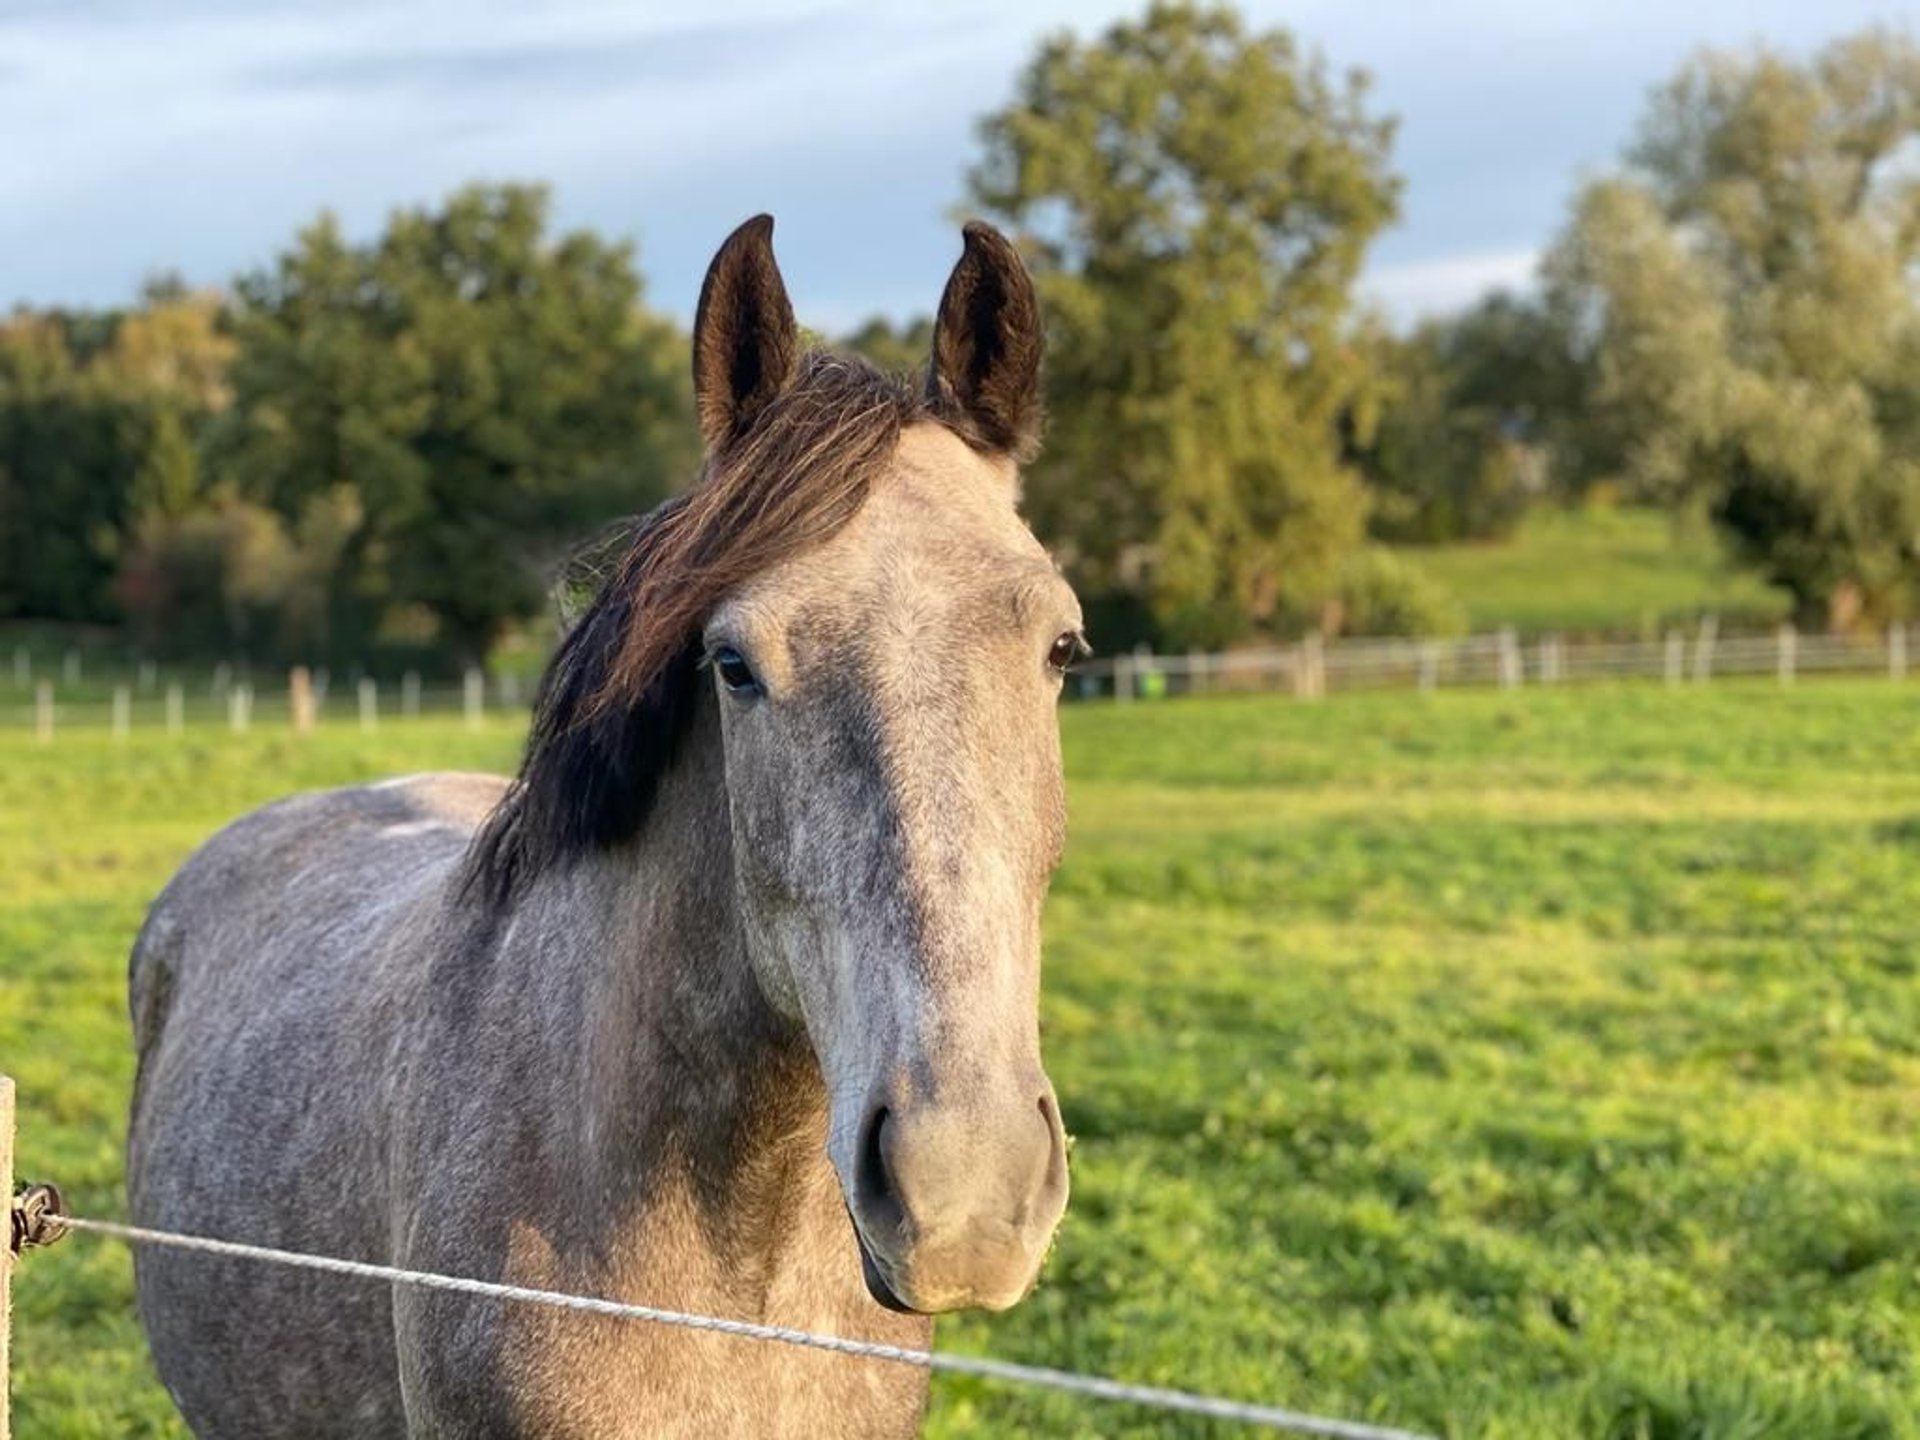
x: 879, y: 1200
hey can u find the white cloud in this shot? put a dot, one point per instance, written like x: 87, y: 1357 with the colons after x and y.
x: 1419, y: 288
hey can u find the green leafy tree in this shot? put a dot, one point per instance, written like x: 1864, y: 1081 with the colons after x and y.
x: 480, y: 391
x: 1742, y: 295
x: 897, y: 349
x: 1468, y: 410
x: 1196, y: 199
x: 100, y: 419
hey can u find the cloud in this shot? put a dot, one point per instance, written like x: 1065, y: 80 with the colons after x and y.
x: 1415, y: 289
x: 201, y: 134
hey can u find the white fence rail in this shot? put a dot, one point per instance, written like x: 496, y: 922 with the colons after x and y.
x: 1313, y: 669
x: 239, y: 702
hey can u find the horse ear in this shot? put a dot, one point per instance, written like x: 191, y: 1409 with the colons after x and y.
x: 744, y: 340
x: 987, y: 343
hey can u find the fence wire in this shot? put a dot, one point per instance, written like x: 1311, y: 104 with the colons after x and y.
x: 1269, y: 1417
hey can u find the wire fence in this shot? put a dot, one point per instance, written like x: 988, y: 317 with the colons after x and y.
x: 1313, y: 669
x: 1183, y: 1402
x: 238, y: 700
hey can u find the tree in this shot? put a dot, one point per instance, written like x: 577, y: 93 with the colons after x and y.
x: 1196, y: 200
x: 1742, y: 294
x: 100, y: 417
x: 1468, y: 410
x: 479, y: 392
x: 896, y: 349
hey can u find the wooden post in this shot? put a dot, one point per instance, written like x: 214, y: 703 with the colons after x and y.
x: 300, y: 698
x: 1897, y: 651
x: 42, y: 718
x: 1196, y: 673
x: 1703, y: 648
x: 1676, y: 658
x: 1313, y: 667
x: 369, y: 705
x: 122, y: 712
x: 176, y: 710
x: 6, y: 1252
x: 410, y: 694
x: 240, y: 707
x: 1550, y: 660
x: 476, y: 697
x: 1788, y: 643
x: 1510, y: 675
x: 1122, y: 678
x: 1429, y: 666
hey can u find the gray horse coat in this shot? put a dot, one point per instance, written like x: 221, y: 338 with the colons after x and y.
x: 728, y: 1004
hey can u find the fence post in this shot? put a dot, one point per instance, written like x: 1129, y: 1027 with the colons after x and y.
x: 240, y: 707
x: 1787, y: 641
x: 1122, y: 678
x: 1196, y: 672
x: 475, y: 698
x: 1550, y: 660
x: 369, y: 705
x: 1897, y: 651
x: 1703, y: 648
x: 300, y: 698
x: 1676, y: 658
x: 42, y: 718
x: 6, y: 1252
x: 410, y: 694
x: 122, y: 712
x: 1510, y: 675
x: 1310, y: 680
x: 176, y: 710
x: 1429, y: 666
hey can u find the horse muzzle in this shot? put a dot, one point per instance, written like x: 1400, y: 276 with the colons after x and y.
x: 954, y: 1206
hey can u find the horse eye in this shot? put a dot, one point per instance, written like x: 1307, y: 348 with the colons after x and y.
x: 1066, y: 649
x: 735, y: 673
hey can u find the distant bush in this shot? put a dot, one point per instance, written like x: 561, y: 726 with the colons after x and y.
x: 1381, y: 593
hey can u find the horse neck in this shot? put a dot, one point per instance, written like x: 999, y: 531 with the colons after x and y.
x: 688, y: 1084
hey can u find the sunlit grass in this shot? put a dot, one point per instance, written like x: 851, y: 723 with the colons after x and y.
x: 1600, y: 569
x: 1533, y: 1064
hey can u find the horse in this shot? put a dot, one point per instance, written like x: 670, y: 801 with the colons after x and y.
x: 726, y: 1003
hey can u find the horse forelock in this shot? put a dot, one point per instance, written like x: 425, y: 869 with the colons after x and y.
x: 618, y: 695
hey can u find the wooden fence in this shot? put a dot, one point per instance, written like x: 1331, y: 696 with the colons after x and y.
x: 1311, y: 669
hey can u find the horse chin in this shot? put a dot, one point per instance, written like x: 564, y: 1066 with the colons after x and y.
x: 877, y: 1285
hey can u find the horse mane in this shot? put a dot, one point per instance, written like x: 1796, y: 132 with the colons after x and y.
x: 615, y: 701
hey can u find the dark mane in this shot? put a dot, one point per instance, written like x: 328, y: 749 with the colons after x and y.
x: 616, y: 697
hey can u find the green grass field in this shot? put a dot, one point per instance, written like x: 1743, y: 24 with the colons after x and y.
x: 1531, y: 1065
x: 1618, y: 571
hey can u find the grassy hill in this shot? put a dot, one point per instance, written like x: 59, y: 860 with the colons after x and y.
x: 1620, y: 571
x: 1495, y: 1065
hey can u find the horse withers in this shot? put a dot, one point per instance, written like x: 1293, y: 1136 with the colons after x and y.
x: 727, y: 1004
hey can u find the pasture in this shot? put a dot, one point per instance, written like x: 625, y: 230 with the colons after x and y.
x: 1495, y: 1064
x: 1600, y: 570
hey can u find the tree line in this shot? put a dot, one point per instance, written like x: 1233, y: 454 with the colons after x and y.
x: 391, y: 443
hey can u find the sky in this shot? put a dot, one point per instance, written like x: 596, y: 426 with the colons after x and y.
x: 198, y: 135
